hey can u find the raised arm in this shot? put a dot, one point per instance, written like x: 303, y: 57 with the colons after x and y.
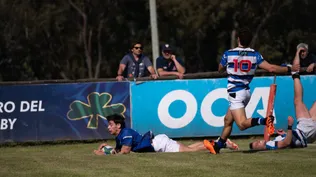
x: 287, y: 140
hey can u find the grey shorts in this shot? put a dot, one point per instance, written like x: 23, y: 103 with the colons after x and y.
x: 308, y: 126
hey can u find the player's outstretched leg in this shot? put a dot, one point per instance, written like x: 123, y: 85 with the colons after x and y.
x: 301, y: 110
x: 199, y: 146
x: 221, y: 142
x: 312, y: 111
x: 239, y: 115
x: 243, y: 123
x: 229, y: 144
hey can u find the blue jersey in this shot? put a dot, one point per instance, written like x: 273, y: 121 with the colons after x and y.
x: 137, y: 142
x: 241, y: 64
x: 298, y: 140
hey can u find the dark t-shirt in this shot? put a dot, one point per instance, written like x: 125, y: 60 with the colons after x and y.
x: 311, y: 58
x: 131, y: 66
x: 167, y: 64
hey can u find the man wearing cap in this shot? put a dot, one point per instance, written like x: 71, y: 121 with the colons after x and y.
x: 306, y: 59
x: 168, y: 64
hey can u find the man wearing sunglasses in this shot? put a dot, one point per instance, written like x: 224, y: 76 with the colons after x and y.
x: 168, y: 64
x: 136, y: 64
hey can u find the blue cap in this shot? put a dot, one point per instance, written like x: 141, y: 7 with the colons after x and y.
x: 166, y: 47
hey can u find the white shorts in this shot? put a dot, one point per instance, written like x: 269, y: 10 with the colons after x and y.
x: 162, y: 143
x: 308, y: 126
x: 239, y: 99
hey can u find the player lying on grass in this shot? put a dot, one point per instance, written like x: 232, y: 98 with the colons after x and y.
x: 306, y: 119
x: 129, y: 140
x: 293, y: 139
x: 305, y: 131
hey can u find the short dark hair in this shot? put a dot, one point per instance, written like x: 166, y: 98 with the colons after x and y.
x: 245, y: 36
x: 117, y: 119
x: 250, y: 146
x: 133, y: 44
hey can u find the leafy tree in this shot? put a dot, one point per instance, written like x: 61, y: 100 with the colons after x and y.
x: 74, y: 39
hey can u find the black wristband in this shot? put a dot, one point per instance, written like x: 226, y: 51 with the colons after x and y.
x: 294, y: 76
x: 289, y: 127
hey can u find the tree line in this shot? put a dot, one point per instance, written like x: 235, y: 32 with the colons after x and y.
x: 75, y: 39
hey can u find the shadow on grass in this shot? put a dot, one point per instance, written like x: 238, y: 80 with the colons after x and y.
x: 253, y: 151
x: 58, y: 142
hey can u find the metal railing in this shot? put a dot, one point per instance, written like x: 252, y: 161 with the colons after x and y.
x: 201, y: 75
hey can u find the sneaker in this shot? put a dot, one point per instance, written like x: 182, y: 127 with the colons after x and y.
x: 269, y: 119
x: 211, y: 146
x: 231, y: 145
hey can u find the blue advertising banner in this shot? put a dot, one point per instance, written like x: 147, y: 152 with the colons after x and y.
x: 195, y: 108
x: 49, y: 112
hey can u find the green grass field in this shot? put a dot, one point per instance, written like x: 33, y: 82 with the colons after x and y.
x: 78, y: 160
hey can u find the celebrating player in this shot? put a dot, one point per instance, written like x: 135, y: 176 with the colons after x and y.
x: 241, y: 64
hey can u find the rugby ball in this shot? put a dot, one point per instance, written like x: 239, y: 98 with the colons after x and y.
x: 107, y: 149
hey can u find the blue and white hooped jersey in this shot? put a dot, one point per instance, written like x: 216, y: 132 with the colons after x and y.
x: 298, y: 140
x: 241, y: 64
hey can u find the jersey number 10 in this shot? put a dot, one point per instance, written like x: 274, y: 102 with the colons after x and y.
x: 242, y: 63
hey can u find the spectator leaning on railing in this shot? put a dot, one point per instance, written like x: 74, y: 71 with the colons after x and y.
x: 136, y: 64
x: 168, y: 64
x: 307, y: 59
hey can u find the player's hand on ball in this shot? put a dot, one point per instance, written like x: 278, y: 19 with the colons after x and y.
x: 102, y: 145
